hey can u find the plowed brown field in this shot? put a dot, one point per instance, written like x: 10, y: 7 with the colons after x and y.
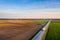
x: 18, y: 29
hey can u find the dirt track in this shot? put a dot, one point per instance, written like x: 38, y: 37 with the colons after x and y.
x: 18, y: 31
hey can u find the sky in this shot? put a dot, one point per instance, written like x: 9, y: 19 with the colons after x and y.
x: 30, y: 9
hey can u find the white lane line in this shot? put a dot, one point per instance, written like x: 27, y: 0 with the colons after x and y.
x: 41, y: 32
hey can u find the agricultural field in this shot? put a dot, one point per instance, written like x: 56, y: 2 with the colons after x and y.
x: 53, y: 30
x: 19, y: 29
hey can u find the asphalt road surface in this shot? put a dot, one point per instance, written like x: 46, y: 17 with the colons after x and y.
x: 41, y: 32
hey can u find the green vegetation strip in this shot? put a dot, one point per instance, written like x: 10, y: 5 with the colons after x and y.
x: 41, y: 21
x: 54, y: 30
x: 44, y: 35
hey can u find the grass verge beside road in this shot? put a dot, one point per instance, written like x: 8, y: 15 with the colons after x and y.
x: 44, y: 35
x: 54, y: 30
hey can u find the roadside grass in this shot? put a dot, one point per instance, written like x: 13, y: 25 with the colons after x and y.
x: 44, y: 35
x: 54, y: 30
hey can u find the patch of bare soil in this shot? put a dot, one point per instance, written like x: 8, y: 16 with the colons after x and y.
x: 18, y: 31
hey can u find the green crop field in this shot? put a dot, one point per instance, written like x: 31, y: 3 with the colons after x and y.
x: 54, y: 30
x: 41, y: 21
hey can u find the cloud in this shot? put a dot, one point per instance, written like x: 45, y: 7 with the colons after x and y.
x: 31, y: 14
x: 29, y: 9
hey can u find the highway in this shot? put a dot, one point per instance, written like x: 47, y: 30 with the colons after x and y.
x: 39, y: 35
